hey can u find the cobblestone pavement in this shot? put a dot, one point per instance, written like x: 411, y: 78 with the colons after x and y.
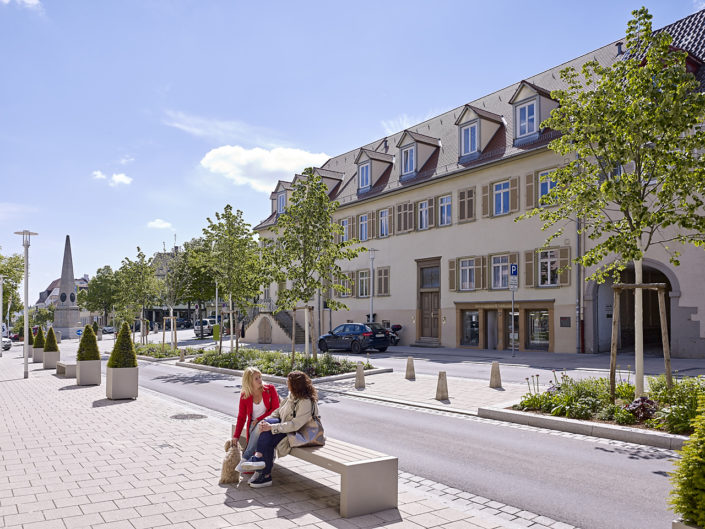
x: 71, y: 458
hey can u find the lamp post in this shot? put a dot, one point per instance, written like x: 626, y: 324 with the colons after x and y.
x: 2, y: 279
x: 372, y: 251
x: 26, y: 235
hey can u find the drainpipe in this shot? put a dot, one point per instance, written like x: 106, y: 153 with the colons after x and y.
x: 578, y: 285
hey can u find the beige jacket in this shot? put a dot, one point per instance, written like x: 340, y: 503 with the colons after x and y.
x: 289, y: 423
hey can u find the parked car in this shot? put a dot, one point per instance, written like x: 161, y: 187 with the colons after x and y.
x: 108, y: 329
x: 6, y: 343
x: 15, y: 336
x: 356, y: 337
x: 181, y: 323
x: 208, y: 324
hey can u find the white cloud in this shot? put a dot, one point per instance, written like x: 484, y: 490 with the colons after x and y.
x: 403, y: 122
x: 35, y: 5
x: 115, y: 180
x: 126, y: 159
x: 260, y: 168
x: 160, y: 224
x: 219, y: 130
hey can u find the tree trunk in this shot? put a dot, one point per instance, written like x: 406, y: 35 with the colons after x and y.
x: 314, y: 347
x: 306, y: 331
x: 639, y: 328
x: 293, y: 337
x: 200, y: 319
x: 230, y: 306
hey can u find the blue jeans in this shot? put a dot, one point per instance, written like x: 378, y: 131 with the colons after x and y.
x: 266, y: 444
x: 252, y: 442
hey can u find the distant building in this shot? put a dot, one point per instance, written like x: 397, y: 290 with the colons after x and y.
x: 50, y: 296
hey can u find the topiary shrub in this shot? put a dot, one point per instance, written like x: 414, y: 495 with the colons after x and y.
x: 31, y: 337
x: 50, y: 344
x: 123, y: 354
x: 39, y: 339
x: 95, y: 327
x: 88, y: 347
x: 688, y: 494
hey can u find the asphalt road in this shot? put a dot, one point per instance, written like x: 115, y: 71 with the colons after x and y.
x: 583, y: 483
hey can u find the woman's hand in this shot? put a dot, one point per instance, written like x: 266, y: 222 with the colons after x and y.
x: 264, y: 426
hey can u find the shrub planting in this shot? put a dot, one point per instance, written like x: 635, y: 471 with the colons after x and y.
x: 50, y: 344
x: 31, y: 338
x: 157, y: 351
x: 39, y: 339
x: 88, y: 347
x: 123, y: 354
x: 95, y: 327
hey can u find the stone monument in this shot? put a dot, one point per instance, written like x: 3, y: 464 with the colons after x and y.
x: 66, y: 312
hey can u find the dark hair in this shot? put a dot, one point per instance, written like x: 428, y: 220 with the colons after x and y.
x: 301, y: 386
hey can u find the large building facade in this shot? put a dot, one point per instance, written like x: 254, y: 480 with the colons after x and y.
x: 437, y: 204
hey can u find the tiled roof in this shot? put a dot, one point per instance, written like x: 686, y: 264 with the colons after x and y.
x: 423, y: 138
x: 380, y: 156
x: 327, y: 173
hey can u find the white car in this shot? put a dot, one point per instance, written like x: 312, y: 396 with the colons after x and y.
x: 208, y: 324
x: 6, y: 343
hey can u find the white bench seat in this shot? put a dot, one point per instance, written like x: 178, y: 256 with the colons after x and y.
x: 66, y: 370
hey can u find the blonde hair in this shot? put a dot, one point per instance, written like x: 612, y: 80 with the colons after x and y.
x: 247, y: 380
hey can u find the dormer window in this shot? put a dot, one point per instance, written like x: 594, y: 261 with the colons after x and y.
x: 468, y: 139
x: 363, y: 176
x: 526, y: 118
x: 281, y: 203
x: 408, y: 160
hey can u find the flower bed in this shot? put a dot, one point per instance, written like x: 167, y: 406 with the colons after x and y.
x: 671, y: 410
x: 278, y: 363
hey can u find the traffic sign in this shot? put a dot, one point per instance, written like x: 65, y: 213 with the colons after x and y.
x: 513, y: 276
x: 513, y: 269
x: 79, y: 332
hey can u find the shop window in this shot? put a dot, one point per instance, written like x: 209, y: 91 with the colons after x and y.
x: 471, y: 328
x: 537, y: 326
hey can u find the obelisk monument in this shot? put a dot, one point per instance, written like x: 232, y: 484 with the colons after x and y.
x: 66, y: 312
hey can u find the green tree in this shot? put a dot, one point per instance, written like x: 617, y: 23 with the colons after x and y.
x: 201, y: 283
x: 306, y: 252
x: 39, y: 339
x: 42, y: 316
x: 102, y: 292
x: 635, y: 178
x: 234, y: 260
x: 172, y: 289
x: 88, y: 346
x: 11, y: 269
x: 123, y: 354
x: 138, y: 285
x: 688, y: 494
x: 50, y: 343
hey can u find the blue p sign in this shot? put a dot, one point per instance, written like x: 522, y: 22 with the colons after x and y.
x: 513, y: 270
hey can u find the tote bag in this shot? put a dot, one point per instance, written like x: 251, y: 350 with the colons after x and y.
x: 311, y: 433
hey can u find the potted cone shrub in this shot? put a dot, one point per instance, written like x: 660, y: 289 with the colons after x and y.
x: 38, y: 347
x: 122, y: 373
x: 88, y: 359
x: 688, y: 494
x: 51, y: 350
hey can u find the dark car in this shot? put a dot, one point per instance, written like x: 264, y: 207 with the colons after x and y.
x: 355, y: 337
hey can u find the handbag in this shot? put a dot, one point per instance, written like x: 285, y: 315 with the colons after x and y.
x: 311, y: 433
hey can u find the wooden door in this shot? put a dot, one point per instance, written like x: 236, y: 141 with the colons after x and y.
x: 265, y: 331
x: 430, y: 303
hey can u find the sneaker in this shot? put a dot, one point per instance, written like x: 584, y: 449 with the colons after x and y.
x: 261, y: 481
x: 254, y: 463
x: 254, y: 477
x: 239, y: 467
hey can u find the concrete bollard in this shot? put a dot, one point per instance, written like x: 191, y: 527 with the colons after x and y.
x: 360, y: 376
x: 410, y: 373
x: 495, y: 378
x: 442, y: 387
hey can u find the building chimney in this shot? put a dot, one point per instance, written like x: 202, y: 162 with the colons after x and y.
x: 620, y: 51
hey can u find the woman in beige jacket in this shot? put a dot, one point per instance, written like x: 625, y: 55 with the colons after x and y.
x: 294, y: 412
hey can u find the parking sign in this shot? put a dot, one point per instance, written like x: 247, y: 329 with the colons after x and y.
x: 513, y: 276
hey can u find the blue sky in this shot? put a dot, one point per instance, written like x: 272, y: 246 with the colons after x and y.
x: 126, y: 123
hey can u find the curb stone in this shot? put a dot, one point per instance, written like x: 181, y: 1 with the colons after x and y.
x: 605, y: 431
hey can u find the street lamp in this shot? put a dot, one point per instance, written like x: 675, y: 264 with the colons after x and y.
x: 372, y: 251
x: 26, y: 235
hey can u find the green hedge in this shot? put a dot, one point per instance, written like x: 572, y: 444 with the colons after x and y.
x: 39, y: 339
x: 88, y: 347
x: 123, y: 354
x: 50, y: 343
x: 156, y: 351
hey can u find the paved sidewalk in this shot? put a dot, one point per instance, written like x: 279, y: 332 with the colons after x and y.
x: 70, y: 458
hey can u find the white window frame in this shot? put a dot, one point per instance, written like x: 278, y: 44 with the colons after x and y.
x: 466, y: 277
x: 423, y: 215
x: 470, y: 147
x: 362, y: 227
x: 345, y: 236
x: 545, y: 186
x: 363, y: 284
x: 500, y: 271
x: 445, y: 210
x: 546, y: 259
x: 408, y: 160
x: 347, y: 291
x: 384, y: 223
x: 525, y: 106
x: 503, y: 193
x: 281, y: 203
x: 363, y: 176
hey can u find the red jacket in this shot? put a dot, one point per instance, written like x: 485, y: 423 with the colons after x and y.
x: 270, y: 397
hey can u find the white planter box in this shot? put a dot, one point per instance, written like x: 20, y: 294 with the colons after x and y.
x: 122, y: 383
x: 88, y: 372
x: 37, y: 355
x: 678, y: 524
x: 50, y: 359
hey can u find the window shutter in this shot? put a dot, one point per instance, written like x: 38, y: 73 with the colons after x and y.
x: 563, y: 262
x: 336, y: 236
x: 372, y: 224
x: 409, y: 216
x: 431, y: 212
x: 400, y: 218
x: 461, y: 205
x: 514, y: 258
x: 483, y: 272
x: 529, y: 268
x: 486, y: 201
x: 354, y: 227
x: 388, y: 281
x: 451, y: 274
x: 530, y: 193
x: 514, y: 194
x: 356, y: 293
x: 390, y: 219
x: 470, y: 208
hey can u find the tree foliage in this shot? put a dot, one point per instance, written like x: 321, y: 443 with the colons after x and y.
x: 632, y: 139
x: 102, y: 293
x: 12, y: 269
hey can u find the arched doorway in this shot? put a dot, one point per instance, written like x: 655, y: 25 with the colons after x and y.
x: 653, y: 272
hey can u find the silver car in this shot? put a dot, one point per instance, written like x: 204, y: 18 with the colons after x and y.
x: 6, y: 344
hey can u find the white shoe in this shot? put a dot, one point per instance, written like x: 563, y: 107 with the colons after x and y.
x: 254, y: 477
x: 239, y: 467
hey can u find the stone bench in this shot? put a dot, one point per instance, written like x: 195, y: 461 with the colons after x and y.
x: 368, y: 479
x: 66, y: 370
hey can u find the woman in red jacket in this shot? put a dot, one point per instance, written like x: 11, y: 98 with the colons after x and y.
x: 257, y: 401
